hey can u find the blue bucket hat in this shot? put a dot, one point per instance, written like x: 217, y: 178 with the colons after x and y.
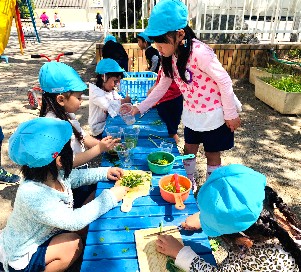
x: 108, y: 66
x: 142, y: 35
x: 38, y: 142
x: 58, y: 77
x: 167, y: 15
x: 110, y: 38
x: 231, y: 200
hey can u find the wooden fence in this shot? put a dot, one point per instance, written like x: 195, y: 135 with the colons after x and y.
x: 235, y: 58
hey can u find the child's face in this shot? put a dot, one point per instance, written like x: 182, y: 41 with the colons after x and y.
x: 72, y: 103
x: 141, y: 44
x: 110, y: 83
x: 170, y: 48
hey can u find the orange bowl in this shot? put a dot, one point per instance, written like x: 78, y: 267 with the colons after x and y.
x: 177, y: 198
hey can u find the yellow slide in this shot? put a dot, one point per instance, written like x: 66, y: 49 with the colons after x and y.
x: 7, y: 12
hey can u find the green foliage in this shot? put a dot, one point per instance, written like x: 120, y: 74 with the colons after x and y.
x: 171, y: 267
x: 23, y: 8
x: 214, y: 244
x: 294, y: 53
x: 276, y: 69
x: 289, y: 84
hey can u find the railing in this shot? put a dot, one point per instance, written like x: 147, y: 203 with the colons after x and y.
x: 270, y: 21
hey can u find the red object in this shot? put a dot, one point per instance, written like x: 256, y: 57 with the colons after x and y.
x: 55, y: 154
x: 177, y: 198
x: 175, y: 178
x: 18, y: 19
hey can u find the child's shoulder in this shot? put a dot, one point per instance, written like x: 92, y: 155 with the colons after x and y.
x: 201, y: 50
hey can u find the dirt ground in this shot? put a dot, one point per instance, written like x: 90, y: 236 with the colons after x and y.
x: 267, y: 141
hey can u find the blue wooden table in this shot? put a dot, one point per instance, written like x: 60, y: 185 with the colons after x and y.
x: 110, y: 244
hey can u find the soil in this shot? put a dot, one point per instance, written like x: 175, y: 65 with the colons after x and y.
x: 267, y: 141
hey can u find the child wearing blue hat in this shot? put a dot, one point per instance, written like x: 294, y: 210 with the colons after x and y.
x: 114, y: 50
x: 104, y: 100
x: 151, y: 54
x: 235, y: 203
x: 40, y: 234
x: 210, y: 114
x: 62, y: 90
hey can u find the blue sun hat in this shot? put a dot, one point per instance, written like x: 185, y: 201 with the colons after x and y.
x: 110, y: 38
x: 167, y: 15
x: 231, y: 200
x: 58, y: 77
x: 108, y: 66
x: 145, y: 37
x: 38, y: 142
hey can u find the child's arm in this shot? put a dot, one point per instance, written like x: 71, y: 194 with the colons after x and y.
x: 105, y: 144
x: 47, y: 208
x: 156, y: 94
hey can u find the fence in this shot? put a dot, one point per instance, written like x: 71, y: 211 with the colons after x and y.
x: 270, y: 21
x: 235, y: 58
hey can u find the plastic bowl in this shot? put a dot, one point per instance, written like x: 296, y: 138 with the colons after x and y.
x: 177, y: 198
x: 160, y: 169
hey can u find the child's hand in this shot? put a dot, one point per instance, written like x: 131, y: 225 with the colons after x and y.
x: 119, y: 192
x: 192, y: 222
x: 115, y: 173
x: 135, y: 110
x: 127, y: 99
x: 233, y: 124
x: 108, y: 143
x: 168, y: 245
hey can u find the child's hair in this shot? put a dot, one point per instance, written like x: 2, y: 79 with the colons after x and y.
x: 49, y: 103
x: 39, y: 174
x: 99, y: 80
x: 268, y: 227
x: 183, y: 51
x: 143, y: 40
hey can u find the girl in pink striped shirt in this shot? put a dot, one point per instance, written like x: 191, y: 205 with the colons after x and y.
x: 210, y: 113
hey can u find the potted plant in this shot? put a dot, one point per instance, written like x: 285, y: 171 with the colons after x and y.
x: 270, y: 71
x: 282, y: 94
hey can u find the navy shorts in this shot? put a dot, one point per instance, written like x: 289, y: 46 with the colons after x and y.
x: 1, y: 135
x: 170, y: 112
x: 37, y: 262
x: 219, y: 139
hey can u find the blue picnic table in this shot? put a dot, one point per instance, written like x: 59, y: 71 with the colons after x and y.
x: 110, y: 244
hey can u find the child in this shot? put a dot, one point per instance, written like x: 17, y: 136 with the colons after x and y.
x: 45, y: 19
x: 114, y: 50
x: 40, y: 233
x: 98, y: 20
x: 62, y: 89
x: 61, y: 99
x: 236, y: 203
x: 151, y: 53
x: 209, y: 113
x: 6, y: 177
x: 103, y: 99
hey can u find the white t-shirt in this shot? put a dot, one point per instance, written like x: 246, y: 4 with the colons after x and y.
x: 101, y: 104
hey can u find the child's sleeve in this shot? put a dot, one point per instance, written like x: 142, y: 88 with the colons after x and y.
x: 188, y: 260
x: 156, y: 94
x: 80, y: 177
x: 49, y: 210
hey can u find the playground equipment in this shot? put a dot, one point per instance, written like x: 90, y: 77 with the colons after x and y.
x: 34, y: 94
x: 9, y: 10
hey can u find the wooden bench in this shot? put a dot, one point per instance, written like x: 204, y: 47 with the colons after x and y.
x: 137, y: 60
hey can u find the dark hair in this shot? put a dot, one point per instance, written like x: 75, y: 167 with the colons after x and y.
x: 99, y: 79
x: 39, y: 174
x: 143, y: 40
x: 266, y: 226
x: 183, y: 51
x: 49, y: 103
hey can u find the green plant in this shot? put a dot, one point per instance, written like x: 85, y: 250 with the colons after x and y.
x: 294, y: 53
x: 289, y: 84
x: 275, y: 69
x: 23, y: 8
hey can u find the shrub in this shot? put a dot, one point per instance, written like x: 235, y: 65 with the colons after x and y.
x: 289, y: 84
